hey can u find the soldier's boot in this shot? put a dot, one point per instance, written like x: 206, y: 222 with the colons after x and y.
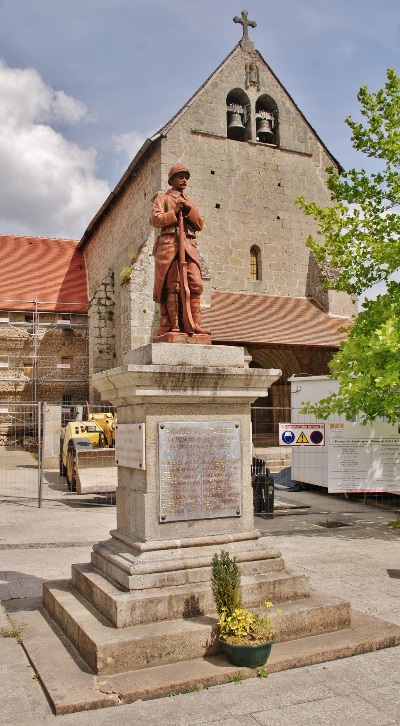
x: 165, y: 325
x: 195, y: 308
x: 173, y: 311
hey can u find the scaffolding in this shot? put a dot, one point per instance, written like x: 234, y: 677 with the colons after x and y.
x: 35, y: 364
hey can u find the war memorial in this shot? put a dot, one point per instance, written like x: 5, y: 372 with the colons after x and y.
x: 139, y: 617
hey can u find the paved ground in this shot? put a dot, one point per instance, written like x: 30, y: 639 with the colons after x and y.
x: 359, y: 561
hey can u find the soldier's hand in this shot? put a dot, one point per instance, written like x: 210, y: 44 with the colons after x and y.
x: 181, y: 205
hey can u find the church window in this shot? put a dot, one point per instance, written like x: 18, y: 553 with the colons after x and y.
x: 267, y: 120
x: 255, y: 267
x: 238, y: 116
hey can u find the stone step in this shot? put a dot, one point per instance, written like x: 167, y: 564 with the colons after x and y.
x: 110, y: 650
x: 70, y: 687
x: 139, y: 566
x: 124, y: 609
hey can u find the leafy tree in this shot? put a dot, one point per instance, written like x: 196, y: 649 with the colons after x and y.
x: 358, y: 244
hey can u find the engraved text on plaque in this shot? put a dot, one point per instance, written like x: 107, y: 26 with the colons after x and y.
x: 199, y: 470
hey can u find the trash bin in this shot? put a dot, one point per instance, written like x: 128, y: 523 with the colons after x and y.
x: 263, y: 488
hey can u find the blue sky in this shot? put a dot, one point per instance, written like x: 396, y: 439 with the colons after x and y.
x: 84, y: 82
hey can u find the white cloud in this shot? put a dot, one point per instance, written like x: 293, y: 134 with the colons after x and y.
x: 129, y: 144
x: 49, y: 184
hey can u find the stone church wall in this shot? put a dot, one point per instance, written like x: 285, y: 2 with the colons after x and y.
x: 246, y: 190
x: 246, y: 193
x: 120, y: 245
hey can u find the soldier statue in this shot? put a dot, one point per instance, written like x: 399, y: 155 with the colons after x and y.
x: 178, y: 282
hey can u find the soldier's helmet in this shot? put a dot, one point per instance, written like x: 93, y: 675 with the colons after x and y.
x: 176, y: 169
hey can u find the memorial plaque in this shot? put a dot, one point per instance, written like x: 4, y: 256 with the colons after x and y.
x: 130, y: 445
x: 199, y: 470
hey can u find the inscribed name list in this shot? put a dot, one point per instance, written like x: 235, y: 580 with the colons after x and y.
x: 199, y: 470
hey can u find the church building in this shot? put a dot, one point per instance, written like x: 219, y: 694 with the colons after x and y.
x: 250, y: 152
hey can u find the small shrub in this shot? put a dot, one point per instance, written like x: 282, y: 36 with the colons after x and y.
x: 225, y: 583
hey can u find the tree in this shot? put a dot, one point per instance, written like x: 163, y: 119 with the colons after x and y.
x: 358, y: 241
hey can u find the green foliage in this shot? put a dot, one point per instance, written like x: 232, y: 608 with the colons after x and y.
x: 358, y: 245
x: 236, y: 624
x: 242, y: 627
x: 262, y: 673
x: 225, y: 583
x: 125, y: 274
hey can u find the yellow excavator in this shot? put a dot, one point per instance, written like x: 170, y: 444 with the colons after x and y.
x: 87, y: 455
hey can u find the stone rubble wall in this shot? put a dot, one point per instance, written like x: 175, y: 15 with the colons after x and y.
x: 52, y: 344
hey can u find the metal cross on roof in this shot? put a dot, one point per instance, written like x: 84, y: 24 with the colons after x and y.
x: 245, y: 22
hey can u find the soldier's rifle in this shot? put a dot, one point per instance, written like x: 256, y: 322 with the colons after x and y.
x: 184, y: 289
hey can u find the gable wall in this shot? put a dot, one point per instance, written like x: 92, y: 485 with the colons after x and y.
x: 254, y: 184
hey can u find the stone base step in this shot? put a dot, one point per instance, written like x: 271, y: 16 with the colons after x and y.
x: 124, y: 609
x: 110, y: 650
x: 70, y: 687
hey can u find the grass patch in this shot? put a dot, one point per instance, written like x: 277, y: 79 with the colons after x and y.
x: 13, y: 632
x: 395, y: 523
x: 237, y: 677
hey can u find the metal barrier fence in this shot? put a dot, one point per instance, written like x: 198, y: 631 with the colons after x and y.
x: 31, y: 467
x: 21, y: 450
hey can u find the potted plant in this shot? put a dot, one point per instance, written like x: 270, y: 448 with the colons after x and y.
x: 245, y: 637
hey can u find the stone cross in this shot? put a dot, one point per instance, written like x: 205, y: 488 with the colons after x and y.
x: 245, y: 22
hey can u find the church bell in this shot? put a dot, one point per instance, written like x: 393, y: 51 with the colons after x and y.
x: 264, y: 133
x: 235, y: 127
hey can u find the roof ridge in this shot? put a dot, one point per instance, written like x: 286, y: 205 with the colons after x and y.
x: 38, y: 236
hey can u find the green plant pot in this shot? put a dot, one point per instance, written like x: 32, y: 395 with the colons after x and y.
x: 247, y: 656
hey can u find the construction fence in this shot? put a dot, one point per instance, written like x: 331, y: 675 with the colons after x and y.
x: 32, y: 469
x: 31, y: 465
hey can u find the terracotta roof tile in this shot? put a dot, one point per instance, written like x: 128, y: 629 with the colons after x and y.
x: 53, y: 270
x: 267, y: 320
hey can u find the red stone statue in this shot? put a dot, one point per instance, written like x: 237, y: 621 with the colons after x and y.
x: 178, y: 283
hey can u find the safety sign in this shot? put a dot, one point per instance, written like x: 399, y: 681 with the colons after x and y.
x: 301, y: 434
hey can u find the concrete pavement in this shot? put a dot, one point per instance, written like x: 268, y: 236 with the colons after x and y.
x: 347, y: 550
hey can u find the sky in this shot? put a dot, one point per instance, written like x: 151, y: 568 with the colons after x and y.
x: 83, y: 83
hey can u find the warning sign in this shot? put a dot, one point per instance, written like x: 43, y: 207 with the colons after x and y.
x: 301, y: 434
x: 302, y: 439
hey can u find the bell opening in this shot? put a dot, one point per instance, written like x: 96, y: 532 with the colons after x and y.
x: 238, y: 125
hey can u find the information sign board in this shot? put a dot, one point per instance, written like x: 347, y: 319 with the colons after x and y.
x: 362, y: 461
x: 301, y: 434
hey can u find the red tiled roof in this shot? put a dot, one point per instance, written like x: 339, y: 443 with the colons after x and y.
x: 51, y: 270
x: 268, y: 320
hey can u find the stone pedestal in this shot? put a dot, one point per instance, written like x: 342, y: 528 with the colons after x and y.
x: 161, y: 385
x: 142, y: 612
